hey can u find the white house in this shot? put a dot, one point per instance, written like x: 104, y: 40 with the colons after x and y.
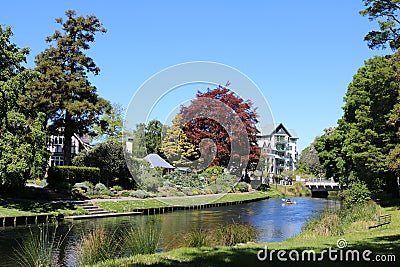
x: 56, y: 147
x: 279, y: 144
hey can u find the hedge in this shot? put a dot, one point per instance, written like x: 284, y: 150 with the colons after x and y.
x: 72, y: 175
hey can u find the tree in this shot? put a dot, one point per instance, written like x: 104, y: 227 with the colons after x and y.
x: 153, y: 133
x: 393, y: 162
x: 63, y: 91
x: 329, y: 147
x: 309, y: 161
x: 358, y: 149
x: 23, y: 137
x: 386, y: 12
x: 109, y: 157
x: 111, y: 124
x: 219, y: 115
x: 138, y: 141
x: 177, y: 148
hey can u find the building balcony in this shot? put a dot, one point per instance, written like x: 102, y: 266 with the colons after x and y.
x: 280, y: 141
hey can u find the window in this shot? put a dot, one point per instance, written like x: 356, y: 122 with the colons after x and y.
x: 57, y: 161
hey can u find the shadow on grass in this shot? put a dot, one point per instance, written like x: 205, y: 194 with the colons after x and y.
x: 35, y: 200
x: 245, y: 256
x: 35, y: 206
x: 381, y: 245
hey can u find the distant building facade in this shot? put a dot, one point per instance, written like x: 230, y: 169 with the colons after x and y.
x: 279, y: 145
x: 56, y: 147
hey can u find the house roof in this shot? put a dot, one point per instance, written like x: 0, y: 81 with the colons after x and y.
x: 157, y: 161
x: 271, y: 129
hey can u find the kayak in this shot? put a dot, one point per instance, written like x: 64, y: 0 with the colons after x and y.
x: 288, y: 201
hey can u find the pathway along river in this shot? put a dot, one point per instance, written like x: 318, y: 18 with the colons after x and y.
x: 274, y: 220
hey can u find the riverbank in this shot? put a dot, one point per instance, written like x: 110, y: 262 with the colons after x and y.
x: 11, y: 207
x: 124, y: 205
x: 380, y: 241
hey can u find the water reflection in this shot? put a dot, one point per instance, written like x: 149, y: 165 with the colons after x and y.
x: 275, y: 222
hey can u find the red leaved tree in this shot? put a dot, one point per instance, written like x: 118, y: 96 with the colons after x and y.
x: 229, y: 122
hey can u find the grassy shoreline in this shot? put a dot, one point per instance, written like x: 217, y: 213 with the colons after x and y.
x: 116, y: 205
x: 10, y: 207
x: 382, y: 241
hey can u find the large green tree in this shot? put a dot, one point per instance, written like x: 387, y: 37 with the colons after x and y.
x: 309, y: 162
x: 387, y: 14
x: 358, y: 149
x: 23, y: 137
x: 64, y: 91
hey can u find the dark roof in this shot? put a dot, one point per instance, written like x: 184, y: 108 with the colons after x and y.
x: 157, y: 161
x: 271, y: 129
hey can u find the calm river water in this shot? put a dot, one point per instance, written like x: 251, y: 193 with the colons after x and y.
x: 275, y: 222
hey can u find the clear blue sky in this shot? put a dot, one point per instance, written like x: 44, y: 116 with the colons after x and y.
x: 301, y: 54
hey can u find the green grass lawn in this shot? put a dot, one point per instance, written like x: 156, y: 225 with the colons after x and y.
x: 129, y: 205
x: 382, y: 241
x: 11, y: 207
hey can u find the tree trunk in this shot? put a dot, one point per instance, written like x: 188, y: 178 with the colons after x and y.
x: 394, y: 187
x: 67, y: 139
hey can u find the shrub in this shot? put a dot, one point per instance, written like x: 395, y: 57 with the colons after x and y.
x: 72, y: 175
x: 334, y: 222
x: 150, y: 180
x: 139, y: 194
x: 242, y: 187
x: 187, y: 191
x: 179, y: 179
x: 263, y: 188
x: 125, y: 193
x: 180, y: 194
x: 86, y: 186
x: 358, y: 193
x: 110, y: 159
x: 117, y: 188
x: 216, y: 189
x: 217, y: 170
x: 208, y: 191
x: 100, y: 187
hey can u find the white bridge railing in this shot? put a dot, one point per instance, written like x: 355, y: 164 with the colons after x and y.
x: 323, y: 184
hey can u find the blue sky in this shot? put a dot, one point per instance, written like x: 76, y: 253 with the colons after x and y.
x: 301, y: 54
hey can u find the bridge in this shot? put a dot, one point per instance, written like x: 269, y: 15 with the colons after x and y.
x: 320, y: 187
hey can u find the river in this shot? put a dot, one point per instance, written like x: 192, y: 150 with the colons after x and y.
x: 274, y: 220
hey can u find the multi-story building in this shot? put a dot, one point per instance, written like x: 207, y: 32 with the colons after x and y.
x: 56, y: 147
x: 279, y: 145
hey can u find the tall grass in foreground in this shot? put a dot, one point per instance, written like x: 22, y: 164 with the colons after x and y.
x: 333, y: 222
x: 98, y: 245
x: 142, y: 240
x: 38, y: 249
x: 197, y: 238
x: 225, y: 234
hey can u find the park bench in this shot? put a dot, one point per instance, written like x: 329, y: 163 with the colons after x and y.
x: 382, y: 220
